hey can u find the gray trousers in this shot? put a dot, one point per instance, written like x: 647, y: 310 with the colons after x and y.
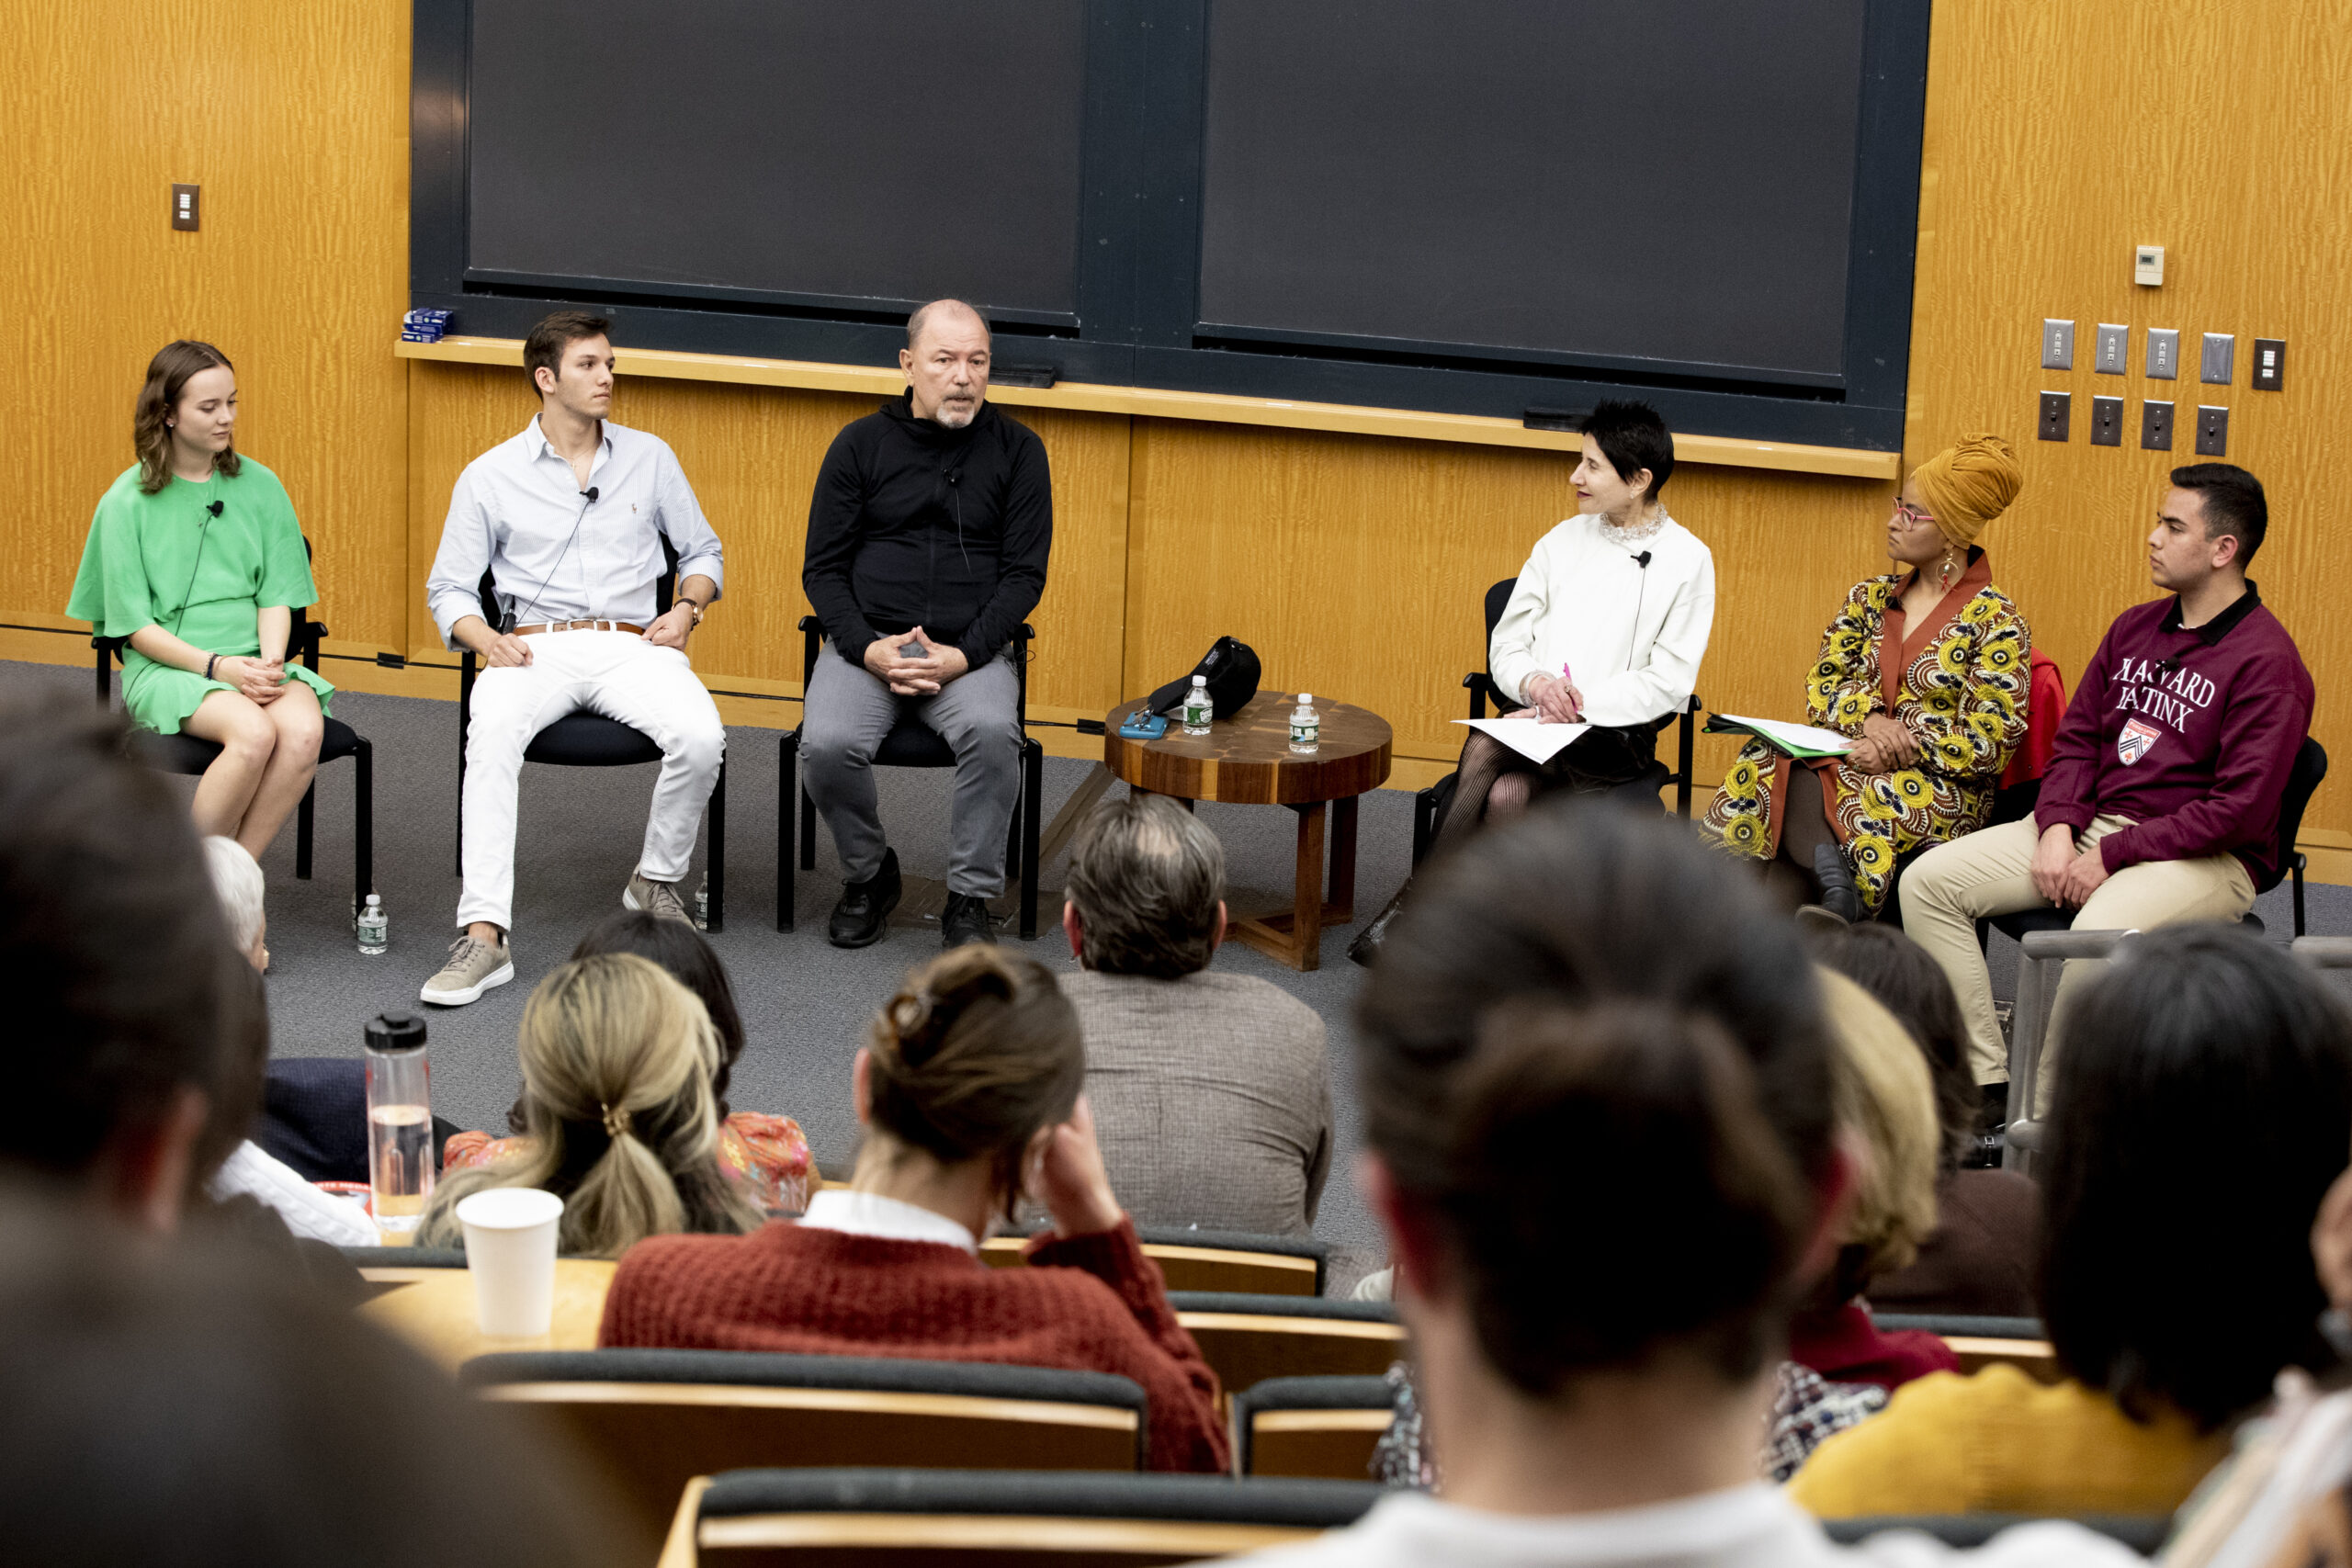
x: 844, y: 718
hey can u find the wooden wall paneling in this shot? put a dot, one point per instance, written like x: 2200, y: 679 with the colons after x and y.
x: 293, y: 118
x: 1081, y: 621
x: 2058, y: 136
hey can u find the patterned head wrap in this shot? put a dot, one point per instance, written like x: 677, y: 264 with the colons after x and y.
x: 1969, y: 485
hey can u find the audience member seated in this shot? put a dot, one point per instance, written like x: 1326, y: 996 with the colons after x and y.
x: 117, y: 961
x: 248, y: 1171
x: 1597, y: 1106
x: 617, y: 1118
x: 1211, y: 1098
x: 1981, y: 1257
x: 767, y: 1153
x: 969, y: 1090
x: 2199, y: 1117
x: 1926, y: 667
x: 185, y: 1404
x: 1886, y: 1107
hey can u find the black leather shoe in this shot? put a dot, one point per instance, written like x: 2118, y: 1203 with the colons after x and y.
x: 966, y: 919
x: 1366, y: 945
x: 864, y: 912
x: 1838, y: 895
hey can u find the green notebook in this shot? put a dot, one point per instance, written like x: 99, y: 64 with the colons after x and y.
x: 1799, y: 741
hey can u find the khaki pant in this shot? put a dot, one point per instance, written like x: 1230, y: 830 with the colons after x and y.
x: 1991, y: 873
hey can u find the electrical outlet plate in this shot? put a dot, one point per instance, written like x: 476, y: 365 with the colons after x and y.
x: 2269, y: 364
x: 2212, y: 431
x: 2156, y: 426
x: 2107, y: 422
x: 2057, y: 344
x: 2114, y: 349
x: 2219, y: 360
x: 2163, y: 353
x: 186, y: 200
x: 2056, y: 414
x: 2148, y: 265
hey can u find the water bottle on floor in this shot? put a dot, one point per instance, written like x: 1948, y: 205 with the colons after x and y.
x: 400, y: 1121
x: 1305, y: 726
x: 375, y: 926
x: 1197, y: 710
x: 702, y: 906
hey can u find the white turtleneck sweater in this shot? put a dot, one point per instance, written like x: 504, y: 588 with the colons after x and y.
x: 1631, y: 635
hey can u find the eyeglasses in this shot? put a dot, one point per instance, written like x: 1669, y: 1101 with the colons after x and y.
x: 1911, y: 514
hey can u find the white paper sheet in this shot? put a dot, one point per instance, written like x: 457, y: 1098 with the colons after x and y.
x: 1803, y: 736
x: 1536, y: 741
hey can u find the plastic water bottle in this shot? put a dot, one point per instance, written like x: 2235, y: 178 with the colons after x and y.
x: 1197, y: 708
x: 399, y: 1120
x: 375, y: 926
x: 1305, y: 726
x: 702, y: 906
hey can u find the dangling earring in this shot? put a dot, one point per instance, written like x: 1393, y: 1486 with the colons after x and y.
x: 1944, y: 577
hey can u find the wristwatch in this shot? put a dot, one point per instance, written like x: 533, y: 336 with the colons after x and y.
x: 694, y: 605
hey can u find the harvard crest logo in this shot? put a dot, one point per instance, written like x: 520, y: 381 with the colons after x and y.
x: 2138, y: 736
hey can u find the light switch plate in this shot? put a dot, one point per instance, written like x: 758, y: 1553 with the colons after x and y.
x: 2269, y: 364
x: 186, y: 201
x: 2057, y: 344
x: 2212, y: 431
x: 2148, y: 265
x: 2156, y: 426
x: 2107, y: 422
x: 2163, y: 353
x: 2219, y: 360
x: 2114, y: 349
x: 2056, y: 408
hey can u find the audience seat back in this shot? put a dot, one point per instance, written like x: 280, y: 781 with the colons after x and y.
x: 1311, y: 1427
x: 1249, y: 1338
x: 655, y: 1419
x: 1211, y: 1260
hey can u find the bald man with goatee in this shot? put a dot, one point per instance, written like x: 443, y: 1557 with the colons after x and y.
x: 927, y: 544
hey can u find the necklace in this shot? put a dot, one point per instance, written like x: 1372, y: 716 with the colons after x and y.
x: 1633, y: 533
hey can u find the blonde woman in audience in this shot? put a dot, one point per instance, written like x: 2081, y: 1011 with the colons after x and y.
x: 2198, y: 1119
x: 1885, y: 1103
x: 1596, y: 1102
x: 969, y: 1088
x: 618, y: 1120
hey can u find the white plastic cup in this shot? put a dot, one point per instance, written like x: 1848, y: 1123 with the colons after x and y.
x: 510, y: 1251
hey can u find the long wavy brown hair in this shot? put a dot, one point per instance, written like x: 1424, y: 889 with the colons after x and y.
x: 167, y: 378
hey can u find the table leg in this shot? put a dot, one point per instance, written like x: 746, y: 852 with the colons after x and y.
x: 1342, y: 907
x: 1306, y: 895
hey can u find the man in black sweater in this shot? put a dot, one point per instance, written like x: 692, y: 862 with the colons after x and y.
x: 927, y: 543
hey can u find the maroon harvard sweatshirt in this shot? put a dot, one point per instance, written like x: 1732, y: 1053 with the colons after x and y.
x: 2189, y: 733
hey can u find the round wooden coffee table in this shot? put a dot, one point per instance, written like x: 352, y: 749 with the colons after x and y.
x: 1246, y: 759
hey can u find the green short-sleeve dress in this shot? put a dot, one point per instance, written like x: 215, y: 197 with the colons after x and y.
x: 164, y: 560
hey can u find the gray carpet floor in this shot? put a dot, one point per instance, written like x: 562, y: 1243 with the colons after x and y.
x: 805, y: 1003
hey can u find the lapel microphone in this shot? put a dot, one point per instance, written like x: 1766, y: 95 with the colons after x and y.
x: 214, y: 508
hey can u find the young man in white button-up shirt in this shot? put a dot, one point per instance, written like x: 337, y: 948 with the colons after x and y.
x: 568, y: 518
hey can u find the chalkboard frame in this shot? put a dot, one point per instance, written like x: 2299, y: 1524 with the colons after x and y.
x: 1139, y: 261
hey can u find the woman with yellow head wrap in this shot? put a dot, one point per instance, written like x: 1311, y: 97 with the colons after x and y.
x: 1926, y: 668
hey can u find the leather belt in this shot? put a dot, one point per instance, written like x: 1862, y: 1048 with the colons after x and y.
x: 580, y: 627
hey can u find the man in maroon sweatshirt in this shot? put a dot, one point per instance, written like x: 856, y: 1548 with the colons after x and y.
x: 2160, y: 804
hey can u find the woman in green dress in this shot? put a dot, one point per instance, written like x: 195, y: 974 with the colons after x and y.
x: 195, y: 557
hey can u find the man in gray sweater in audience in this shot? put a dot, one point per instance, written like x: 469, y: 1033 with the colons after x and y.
x: 1210, y: 1094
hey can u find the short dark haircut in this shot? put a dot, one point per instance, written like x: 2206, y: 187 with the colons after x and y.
x: 1632, y: 437
x: 554, y: 333
x: 2233, y: 505
x: 1585, y: 1003
x: 113, y: 954
x: 1907, y: 981
x: 198, y: 1404
x: 691, y: 961
x: 922, y: 314
x: 1147, y: 876
x: 2200, y: 1113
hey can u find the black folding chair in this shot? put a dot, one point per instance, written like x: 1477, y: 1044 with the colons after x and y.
x: 911, y: 744
x: 1430, y: 804
x: 191, y: 755
x: 582, y: 739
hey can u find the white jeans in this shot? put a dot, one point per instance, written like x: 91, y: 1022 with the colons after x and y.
x: 619, y: 674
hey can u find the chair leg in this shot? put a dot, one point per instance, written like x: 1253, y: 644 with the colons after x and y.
x: 787, y: 784
x: 303, y: 825
x: 1424, y: 822
x: 714, y: 868
x: 1032, y: 760
x: 363, y: 825
x: 2296, y: 871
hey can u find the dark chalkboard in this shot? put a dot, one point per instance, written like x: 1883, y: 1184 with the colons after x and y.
x: 803, y: 152
x: 1589, y: 181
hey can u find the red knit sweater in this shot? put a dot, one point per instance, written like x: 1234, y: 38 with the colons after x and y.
x: 1089, y: 1302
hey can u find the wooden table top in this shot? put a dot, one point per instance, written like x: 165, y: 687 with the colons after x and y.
x: 435, y: 1312
x: 1246, y: 759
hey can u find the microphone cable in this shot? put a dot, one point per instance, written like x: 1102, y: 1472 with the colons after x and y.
x: 512, y: 618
